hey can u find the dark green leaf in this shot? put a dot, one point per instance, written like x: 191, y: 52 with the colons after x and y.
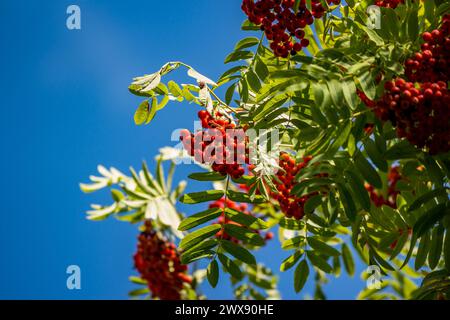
x: 290, y: 261
x: 293, y: 243
x: 199, y: 235
x: 429, y: 219
x: 427, y: 197
x: 319, y: 262
x: 301, y: 275
x: 212, y: 273
x: 244, y: 234
x: 347, y: 201
x: 313, y: 203
x: 207, y: 176
x: 375, y: 155
x: 199, y: 218
x: 230, y: 267
x: 245, y: 219
x: 243, y: 197
x: 238, y: 55
x: 367, y: 171
x: 322, y: 247
x: 204, y: 196
x: 422, y: 251
x: 238, y: 252
x: 358, y: 189
x: 349, y: 264
x: 291, y: 224
x: 447, y: 250
x: 437, y: 238
x: 246, y: 43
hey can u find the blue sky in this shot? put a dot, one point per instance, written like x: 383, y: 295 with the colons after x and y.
x: 66, y: 108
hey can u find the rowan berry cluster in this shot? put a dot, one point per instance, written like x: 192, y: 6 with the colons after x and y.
x: 281, y: 24
x: 419, y: 107
x: 432, y: 64
x: 389, y: 3
x: 223, y: 219
x: 158, y: 262
x: 292, y: 206
x: 420, y: 114
x: 221, y: 145
x: 391, y: 197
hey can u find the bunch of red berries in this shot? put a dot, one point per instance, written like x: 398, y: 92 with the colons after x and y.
x: 433, y: 62
x: 392, y: 192
x: 221, y: 145
x: 158, y: 262
x: 389, y: 3
x: 420, y: 114
x: 292, y: 206
x: 281, y: 24
x: 223, y: 219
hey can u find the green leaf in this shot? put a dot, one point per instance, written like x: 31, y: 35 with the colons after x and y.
x: 379, y: 259
x: 243, y: 91
x: 422, y: 251
x: 301, y: 275
x: 238, y: 55
x: 238, y: 252
x: 229, y: 266
x: 357, y: 188
x: 427, y: 197
x: 293, y: 243
x: 367, y: 171
x: 212, y: 273
x: 290, y: 261
x: 367, y: 84
x: 291, y: 224
x: 245, y: 235
x: 313, y: 203
x: 375, y: 155
x: 245, y: 219
x: 246, y: 43
x: 429, y: 219
x: 142, y: 112
x: 261, y: 69
x: 349, y: 91
x: 248, y: 26
x: 318, y: 262
x: 137, y: 280
x: 437, y: 238
x: 230, y: 92
x: 347, y: 257
x: 253, y: 81
x: 401, y: 150
x: 194, y: 255
x: 204, y: 196
x: 174, y: 89
x: 152, y: 111
x: 199, y: 218
x: 347, y: 201
x: 207, y: 176
x: 343, y: 134
x: 447, y: 250
x: 138, y: 292
x: 199, y: 235
x: 322, y: 247
x: 243, y: 197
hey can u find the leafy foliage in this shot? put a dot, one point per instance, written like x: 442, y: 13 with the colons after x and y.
x: 313, y: 100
